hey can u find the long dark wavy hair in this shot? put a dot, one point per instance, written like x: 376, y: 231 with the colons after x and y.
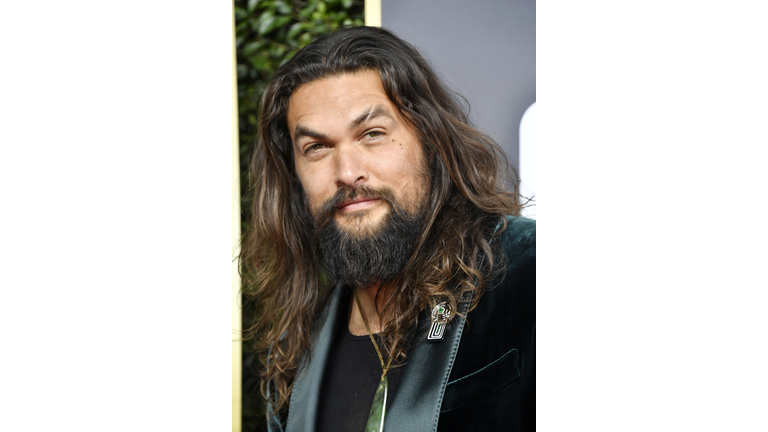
x: 473, y: 186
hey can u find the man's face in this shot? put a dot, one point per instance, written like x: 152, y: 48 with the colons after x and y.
x: 354, y: 153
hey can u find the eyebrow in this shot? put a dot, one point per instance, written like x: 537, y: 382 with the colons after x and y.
x: 373, y: 112
x: 370, y: 114
x: 302, y: 131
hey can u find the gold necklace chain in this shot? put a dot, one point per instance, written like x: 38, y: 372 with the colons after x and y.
x: 375, y: 345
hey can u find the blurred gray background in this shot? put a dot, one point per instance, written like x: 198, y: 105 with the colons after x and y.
x: 485, y: 50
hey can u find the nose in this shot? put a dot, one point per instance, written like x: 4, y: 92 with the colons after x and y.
x: 350, y: 167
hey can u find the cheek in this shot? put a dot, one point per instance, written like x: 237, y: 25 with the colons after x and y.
x: 405, y: 176
x: 309, y: 195
x: 401, y: 162
x: 314, y: 188
x: 411, y: 170
x: 306, y: 185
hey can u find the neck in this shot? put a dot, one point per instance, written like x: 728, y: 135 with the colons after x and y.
x: 367, y: 296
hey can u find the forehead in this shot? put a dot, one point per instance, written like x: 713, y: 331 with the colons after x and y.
x: 337, y: 99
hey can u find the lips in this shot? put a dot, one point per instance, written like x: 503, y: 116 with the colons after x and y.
x: 356, y: 204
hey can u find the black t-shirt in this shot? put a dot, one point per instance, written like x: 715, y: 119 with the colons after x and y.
x: 350, y: 380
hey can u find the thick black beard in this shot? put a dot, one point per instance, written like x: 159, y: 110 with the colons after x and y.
x: 379, y: 254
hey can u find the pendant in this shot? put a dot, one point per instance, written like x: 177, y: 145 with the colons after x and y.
x: 440, y: 316
x: 379, y: 408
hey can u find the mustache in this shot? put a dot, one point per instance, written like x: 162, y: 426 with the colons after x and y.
x: 325, y: 213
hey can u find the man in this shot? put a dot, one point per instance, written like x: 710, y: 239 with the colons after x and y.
x: 394, y: 284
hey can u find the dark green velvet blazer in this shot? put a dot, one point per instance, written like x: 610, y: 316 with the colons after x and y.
x: 481, y: 377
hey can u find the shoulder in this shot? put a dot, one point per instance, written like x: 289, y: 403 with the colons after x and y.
x: 514, y: 282
x: 518, y: 239
x: 492, y: 382
x: 520, y: 225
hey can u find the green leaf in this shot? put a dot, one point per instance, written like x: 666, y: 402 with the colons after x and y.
x: 283, y: 7
x: 293, y: 33
x: 321, y: 6
x: 260, y: 63
x: 282, y: 21
x: 242, y: 27
x: 272, y: 23
x: 307, y: 11
x: 304, y: 40
x: 252, y: 47
x: 266, y: 25
x: 252, y: 5
x: 346, y: 3
x: 240, y: 15
x: 276, y: 51
x: 266, y: 16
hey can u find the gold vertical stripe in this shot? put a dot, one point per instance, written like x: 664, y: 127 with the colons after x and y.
x: 237, y: 367
x: 373, y: 13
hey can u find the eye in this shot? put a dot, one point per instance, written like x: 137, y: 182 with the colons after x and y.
x: 314, y: 147
x: 374, y: 134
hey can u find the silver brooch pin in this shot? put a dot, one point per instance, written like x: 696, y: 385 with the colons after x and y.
x: 441, y: 314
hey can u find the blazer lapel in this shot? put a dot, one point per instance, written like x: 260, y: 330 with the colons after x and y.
x: 415, y: 404
x: 305, y: 396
